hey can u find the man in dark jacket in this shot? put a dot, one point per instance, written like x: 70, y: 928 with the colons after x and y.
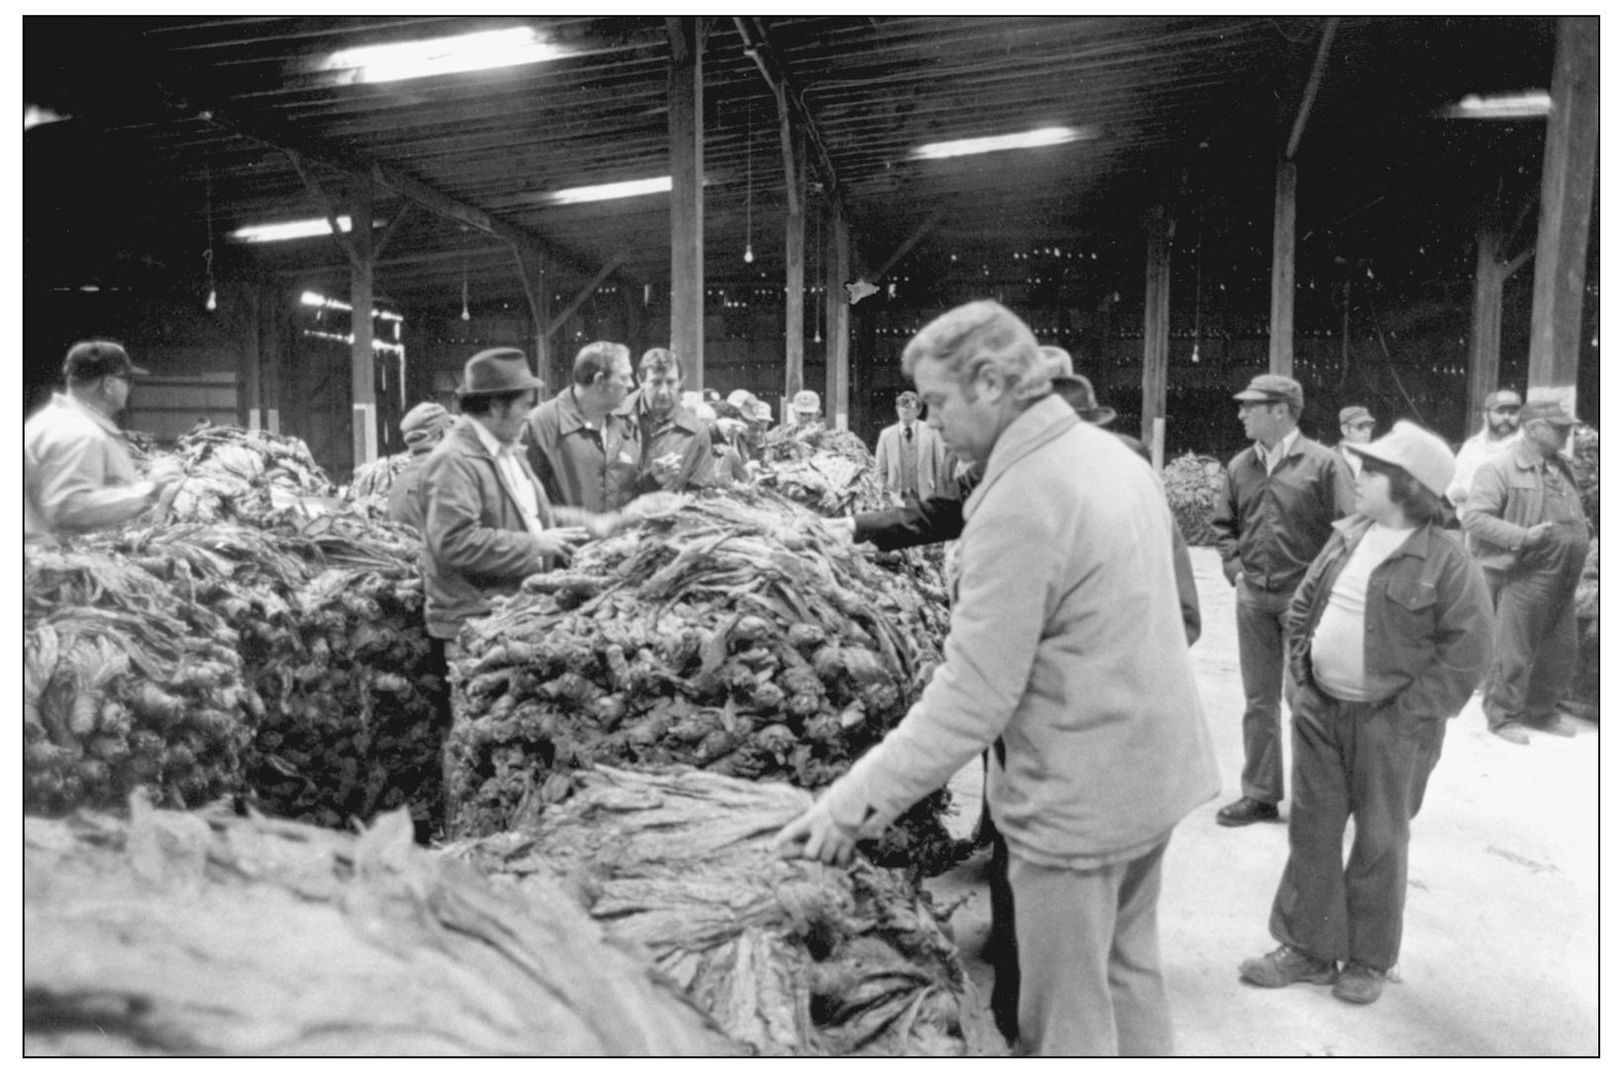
x: 676, y: 452
x: 1283, y: 495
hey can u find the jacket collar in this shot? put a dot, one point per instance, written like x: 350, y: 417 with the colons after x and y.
x: 1038, y: 424
x: 636, y: 409
x: 1353, y: 527
x: 69, y: 402
x: 465, y: 439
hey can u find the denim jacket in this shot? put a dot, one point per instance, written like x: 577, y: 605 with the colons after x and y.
x: 1427, y: 627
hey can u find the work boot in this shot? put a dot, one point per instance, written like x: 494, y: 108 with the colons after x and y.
x: 1284, y: 965
x: 1514, y: 733
x: 1555, y: 725
x: 1245, y: 811
x: 1359, y: 983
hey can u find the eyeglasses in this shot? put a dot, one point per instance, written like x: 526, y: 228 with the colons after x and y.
x: 1507, y: 409
x: 1363, y: 426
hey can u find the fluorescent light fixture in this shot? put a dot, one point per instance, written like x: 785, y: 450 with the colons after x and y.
x: 288, y: 231
x: 34, y: 115
x: 973, y: 146
x: 585, y: 194
x: 1532, y: 104
x: 485, y: 50
x: 311, y: 299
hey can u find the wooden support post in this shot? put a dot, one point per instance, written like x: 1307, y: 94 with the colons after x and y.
x: 250, y: 394
x: 836, y: 318
x: 1281, y: 333
x: 1156, y: 332
x: 1571, y: 148
x: 793, y: 266
x: 532, y: 275
x: 1486, y: 319
x: 362, y: 360
x: 687, y: 196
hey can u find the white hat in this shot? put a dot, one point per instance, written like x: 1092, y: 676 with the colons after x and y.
x: 807, y: 403
x: 1419, y: 452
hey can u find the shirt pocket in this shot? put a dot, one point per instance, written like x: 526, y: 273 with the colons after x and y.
x: 1410, y: 615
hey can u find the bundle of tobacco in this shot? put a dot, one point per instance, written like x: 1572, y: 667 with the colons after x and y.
x: 127, y: 680
x: 249, y: 476
x: 792, y: 957
x: 369, y: 489
x: 169, y: 933
x: 319, y: 704
x: 733, y: 633
x: 829, y: 471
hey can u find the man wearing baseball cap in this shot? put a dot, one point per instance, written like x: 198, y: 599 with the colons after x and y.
x: 1282, y: 496
x: 1356, y: 427
x: 78, y: 471
x: 1388, y: 635
x: 1500, y: 419
x: 807, y: 408
x: 1526, y: 527
x: 423, y: 427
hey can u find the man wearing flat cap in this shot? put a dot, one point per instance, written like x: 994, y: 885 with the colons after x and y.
x: 1356, y: 427
x: 1500, y: 420
x: 1282, y: 496
x: 78, y: 472
x: 1526, y: 527
x: 423, y: 427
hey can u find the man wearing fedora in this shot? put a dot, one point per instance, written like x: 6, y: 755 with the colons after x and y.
x: 423, y: 427
x: 78, y: 472
x: 487, y: 523
x: 1282, y: 495
x: 1388, y: 635
x: 910, y: 459
x: 1356, y: 427
x: 1526, y: 527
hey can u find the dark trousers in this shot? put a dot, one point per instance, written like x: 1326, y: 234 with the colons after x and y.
x: 1370, y: 764
x: 1260, y: 617
x: 1535, y: 638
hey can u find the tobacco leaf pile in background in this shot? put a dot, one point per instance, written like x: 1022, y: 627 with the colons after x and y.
x: 733, y: 634
x: 791, y: 956
x: 829, y: 471
x: 171, y: 933
x: 1194, y: 484
x: 369, y: 489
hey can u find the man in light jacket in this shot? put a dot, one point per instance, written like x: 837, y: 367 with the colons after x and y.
x: 1066, y: 649
x: 911, y: 460
x: 78, y: 474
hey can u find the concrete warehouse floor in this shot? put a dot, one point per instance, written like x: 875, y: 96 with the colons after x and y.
x: 1501, y: 945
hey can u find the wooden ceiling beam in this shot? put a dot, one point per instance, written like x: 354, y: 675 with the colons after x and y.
x: 756, y: 47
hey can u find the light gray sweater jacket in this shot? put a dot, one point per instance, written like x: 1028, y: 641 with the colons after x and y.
x: 1066, y: 642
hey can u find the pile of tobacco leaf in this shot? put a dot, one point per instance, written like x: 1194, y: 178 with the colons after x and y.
x: 1585, y: 468
x: 277, y: 655
x: 829, y: 471
x: 790, y: 956
x: 1585, y: 685
x: 369, y: 489
x: 733, y: 634
x: 1194, y: 484
x: 180, y: 934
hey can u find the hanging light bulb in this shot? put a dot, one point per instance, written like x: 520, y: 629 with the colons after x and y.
x: 465, y: 315
x: 749, y: 185
x: 213, y: 300
x: 208, y: 253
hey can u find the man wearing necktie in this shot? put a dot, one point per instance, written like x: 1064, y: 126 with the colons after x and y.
x: 911, y: 459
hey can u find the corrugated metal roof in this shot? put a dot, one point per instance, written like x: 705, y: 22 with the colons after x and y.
x: 173, y: 115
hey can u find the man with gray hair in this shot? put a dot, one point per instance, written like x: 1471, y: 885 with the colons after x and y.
x: 579, y: 446
x: 1282, y: 496
x: 1066, y: 653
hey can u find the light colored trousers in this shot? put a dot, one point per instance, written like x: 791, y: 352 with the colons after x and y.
x: 1089, y: 959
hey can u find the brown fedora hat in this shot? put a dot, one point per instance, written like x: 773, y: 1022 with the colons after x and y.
x: 497, y: 370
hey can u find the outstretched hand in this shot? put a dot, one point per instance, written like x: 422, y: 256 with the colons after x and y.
x: 558, y: 543
x: 815, y: 836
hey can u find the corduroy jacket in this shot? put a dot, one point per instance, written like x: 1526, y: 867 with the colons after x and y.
x: 1427, y: 626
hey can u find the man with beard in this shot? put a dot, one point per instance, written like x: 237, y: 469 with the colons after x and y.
x: 1500, y: 419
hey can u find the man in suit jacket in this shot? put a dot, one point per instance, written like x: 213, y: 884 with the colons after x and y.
x: 911, y: 458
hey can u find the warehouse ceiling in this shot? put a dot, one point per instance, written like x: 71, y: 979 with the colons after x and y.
x: 179, y: 130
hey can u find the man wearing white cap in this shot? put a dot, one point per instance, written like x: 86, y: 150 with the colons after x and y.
x: 423, y: 427
x: 807, y: 408
x: 1388, y: 634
